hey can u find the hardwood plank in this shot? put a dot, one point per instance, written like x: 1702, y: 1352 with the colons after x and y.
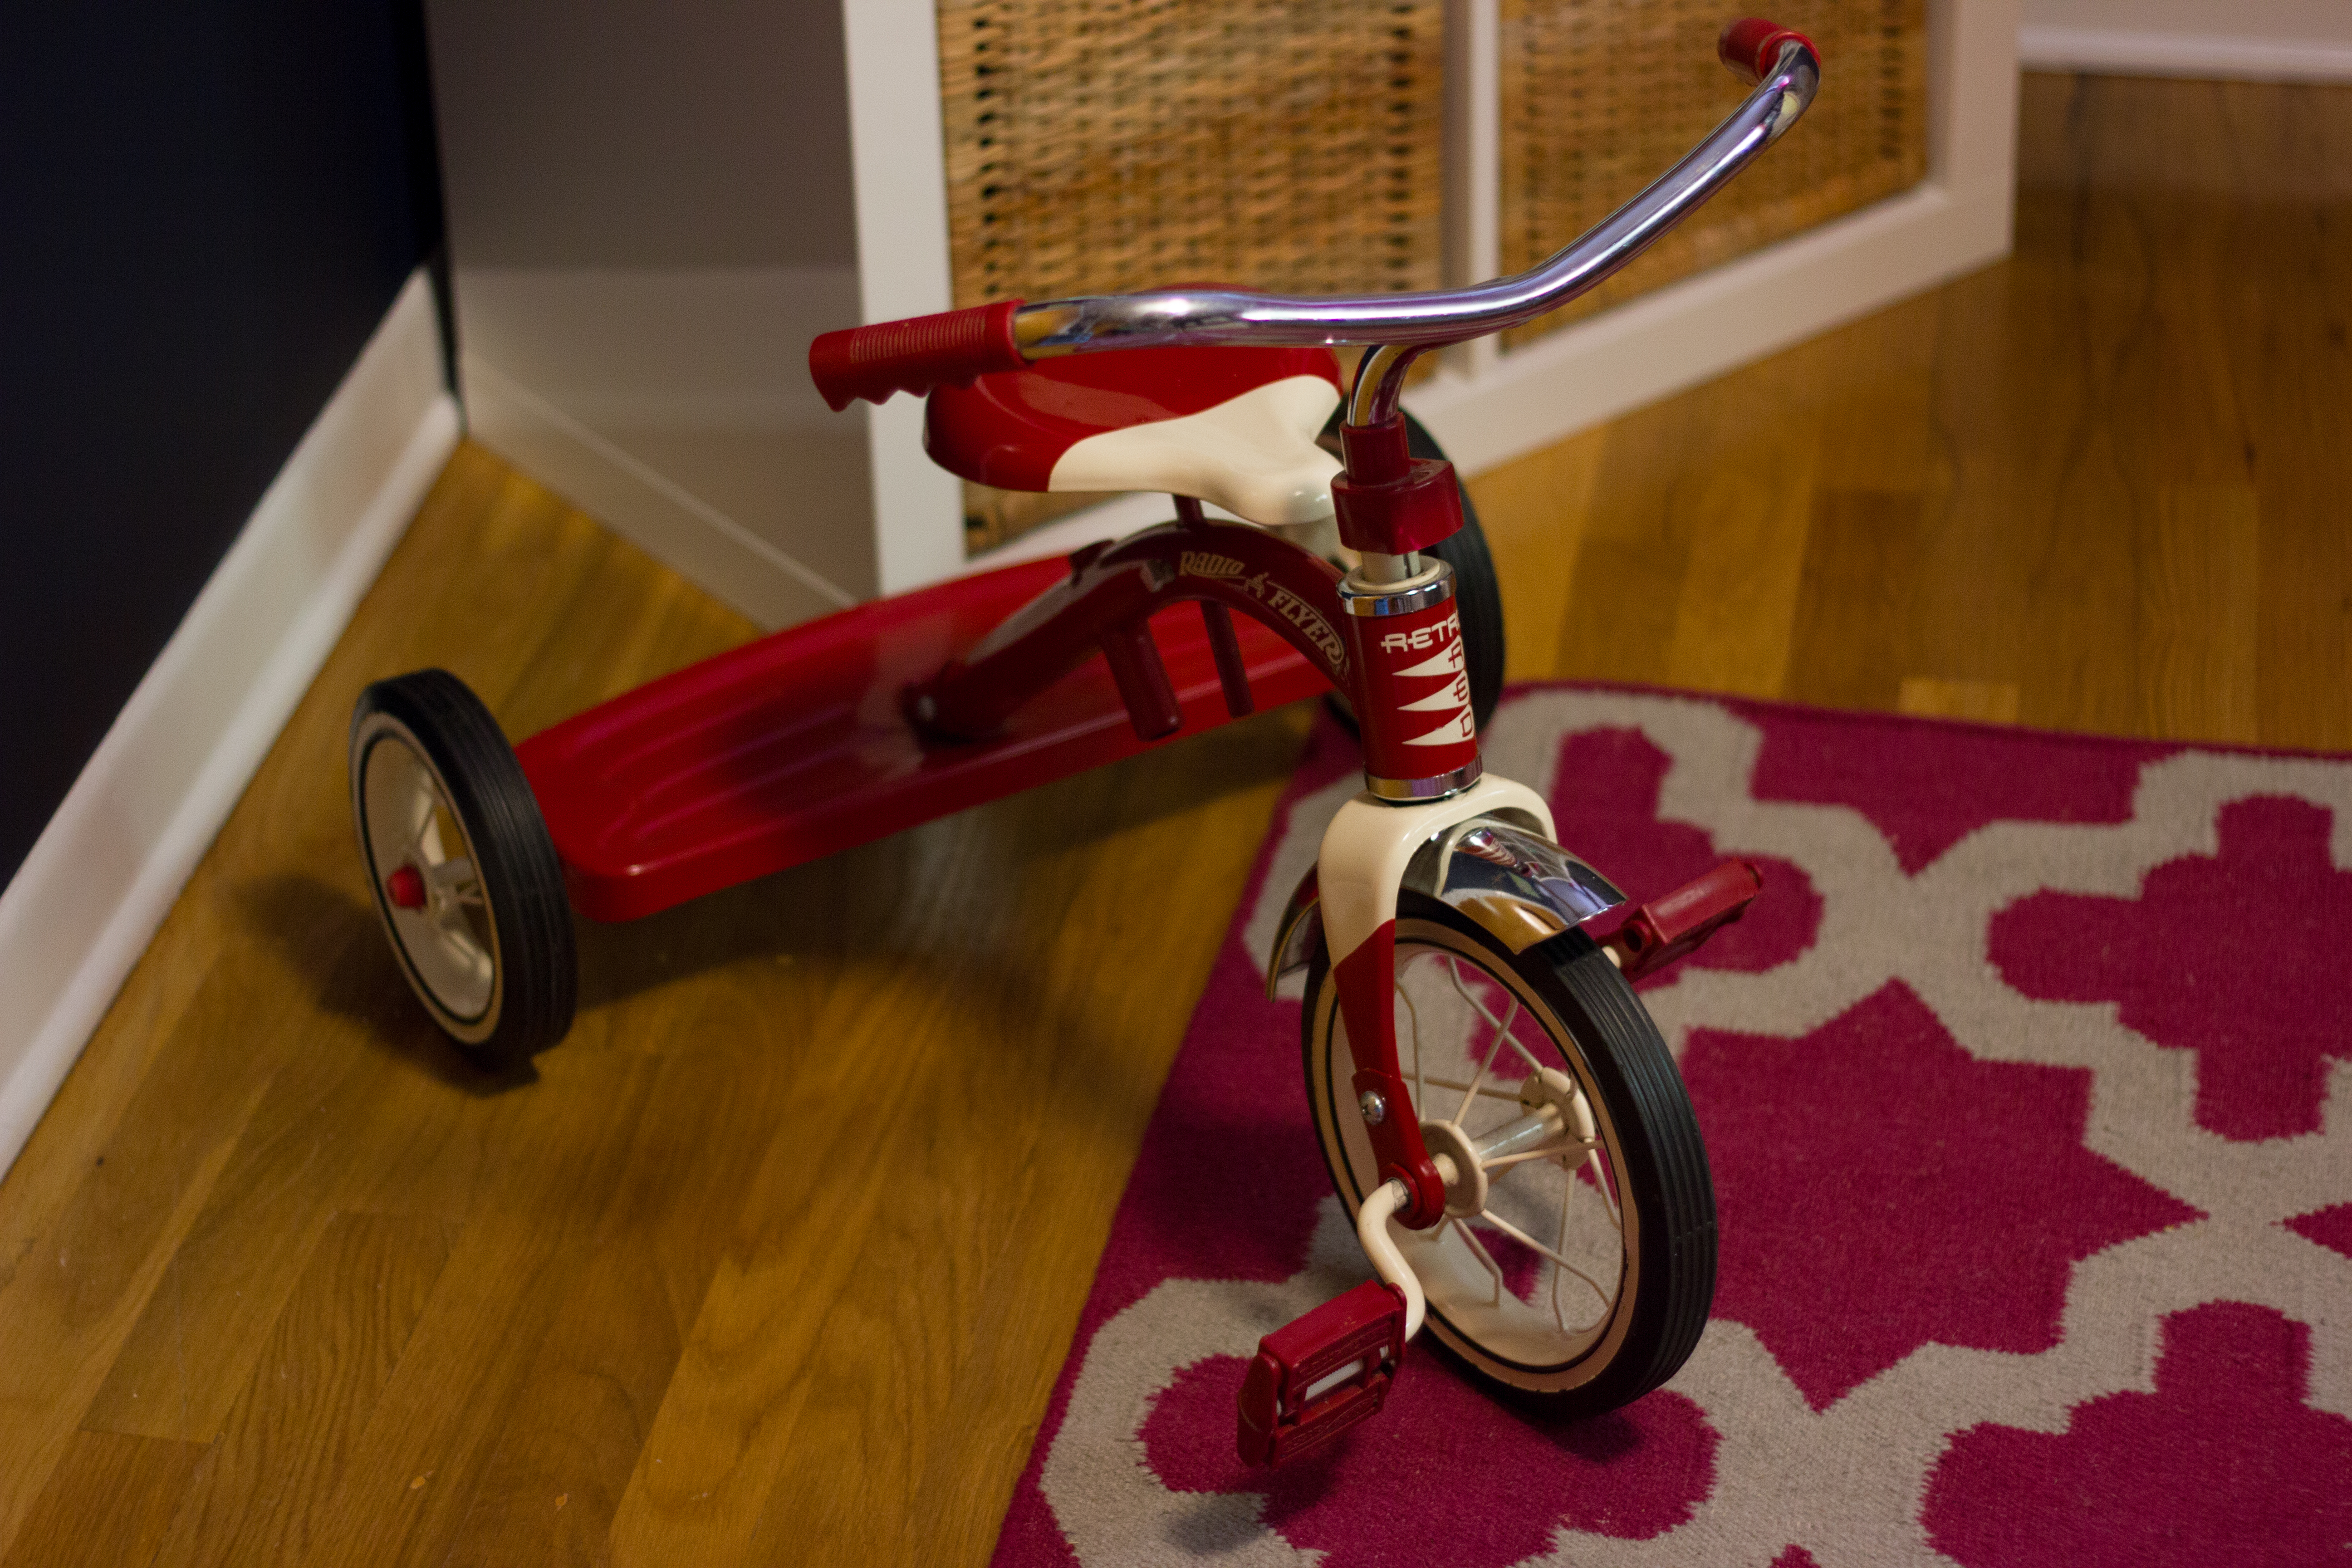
x: 1630, y: 564
x: 189, y: 1355
x: 413, y: 1470
x: 1936, y: 696
x: 916, y: 1414
x: 571, y: 1440
x: 2293, y: 335
x: 1853, y: 637
x: 209, y: 919
x: 96, y: 1095
x: 946, y: 1009
x: 322, y: 1368
x: 1533, y: 512
x: 107, y: 1502
x: 1690, y: 570
x: 1736, y: 610
x: 2199, y: 608
x: 2021, y: 590
x: 1872, y: 388
x: 314, y: 1135
x: 297, y: 1160
x: 72, y: 1303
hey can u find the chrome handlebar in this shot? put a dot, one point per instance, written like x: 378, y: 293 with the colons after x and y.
x: 1399, y: 327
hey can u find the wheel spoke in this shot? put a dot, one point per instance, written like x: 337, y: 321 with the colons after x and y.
x: 1502, y: 1028
x: 1471, y: 1093
x: 1521, y: 1236
x: 1487, y: 1060
x: 461, y: 946
x: 1608, y: 1197
x: 1525, y: 1055
x: 455, y: 871
x: 1567, y: 1201
x: 424, y: 812
x: 1485, y: 1259
x: 1491, y: 1091
x: 457, y: 878
x: 1506, y: 1162
x: 1509, y: 1120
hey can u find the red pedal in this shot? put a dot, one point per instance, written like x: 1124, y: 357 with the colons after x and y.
x: 1320, y: 1374
x: 1673, y: 926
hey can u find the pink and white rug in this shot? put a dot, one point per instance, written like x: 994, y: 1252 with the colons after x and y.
x: 2027, y: 1084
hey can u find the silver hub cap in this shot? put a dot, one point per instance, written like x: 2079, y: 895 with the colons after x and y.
x: 430, y: 889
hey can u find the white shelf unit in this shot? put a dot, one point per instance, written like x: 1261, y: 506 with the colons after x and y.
x: 639, y: 271
x: 1487, y: 406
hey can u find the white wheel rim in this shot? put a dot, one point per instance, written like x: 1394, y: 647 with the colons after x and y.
x: 1550, y: 1221
x: 449, y: 942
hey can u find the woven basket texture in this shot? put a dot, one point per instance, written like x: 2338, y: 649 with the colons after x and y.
x: 1097, y: 146
x: 1601, y: 97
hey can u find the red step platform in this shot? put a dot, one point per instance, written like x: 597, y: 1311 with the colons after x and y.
x: 793, y: 747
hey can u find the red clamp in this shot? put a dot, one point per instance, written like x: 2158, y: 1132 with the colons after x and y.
x: 1318, y: 1375
x: 1389, y: 502
x: 1671, y: 927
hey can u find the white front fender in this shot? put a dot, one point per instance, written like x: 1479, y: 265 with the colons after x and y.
x: 1352, y: 890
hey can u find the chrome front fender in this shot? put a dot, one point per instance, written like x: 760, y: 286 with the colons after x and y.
x: 1520, y: 886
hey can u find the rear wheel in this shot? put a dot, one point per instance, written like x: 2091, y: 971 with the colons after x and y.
x: 1577, y: 1260
x: 466, y: 879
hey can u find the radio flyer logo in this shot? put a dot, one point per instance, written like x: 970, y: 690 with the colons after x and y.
x: 1205, y: 563
x: 1298, y: 611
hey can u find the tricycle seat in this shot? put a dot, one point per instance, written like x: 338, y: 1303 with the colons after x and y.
x: 1233, y: 426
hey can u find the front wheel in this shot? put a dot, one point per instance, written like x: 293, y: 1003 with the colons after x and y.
x: 1577, y: 1260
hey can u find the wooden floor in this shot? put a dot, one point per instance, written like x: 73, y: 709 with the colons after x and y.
x: 777, y: 1258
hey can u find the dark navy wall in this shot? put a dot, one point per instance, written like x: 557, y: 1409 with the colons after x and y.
x: 204, y: 210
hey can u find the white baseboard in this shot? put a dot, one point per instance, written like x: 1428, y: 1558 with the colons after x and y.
x: 2101, y: 52
x: 100, y: 880
x: 674, y: 405
x: 1687, y: 333
x: 2258, y: 40
x: 655, y: 510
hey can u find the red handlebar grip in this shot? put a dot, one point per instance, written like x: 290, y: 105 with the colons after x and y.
x: 915, y: 355
x: 1751, y: 46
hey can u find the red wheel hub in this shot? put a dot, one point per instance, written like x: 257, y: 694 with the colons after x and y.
x: 405, y: 887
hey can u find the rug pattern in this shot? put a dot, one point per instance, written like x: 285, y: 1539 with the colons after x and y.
x: 2027, y: 1086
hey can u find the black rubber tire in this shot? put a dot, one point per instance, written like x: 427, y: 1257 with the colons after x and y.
x: 1478, y: 596
x: 1609, y: 1047
x: 534, y: 966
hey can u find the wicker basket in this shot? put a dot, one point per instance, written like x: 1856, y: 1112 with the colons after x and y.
x: 1095, y: 146
x: 1600, y: 97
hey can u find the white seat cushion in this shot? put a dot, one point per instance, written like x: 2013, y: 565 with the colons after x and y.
x: 1255, y: 454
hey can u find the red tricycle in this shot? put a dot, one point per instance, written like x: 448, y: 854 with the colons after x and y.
x: 1475, y: 1058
